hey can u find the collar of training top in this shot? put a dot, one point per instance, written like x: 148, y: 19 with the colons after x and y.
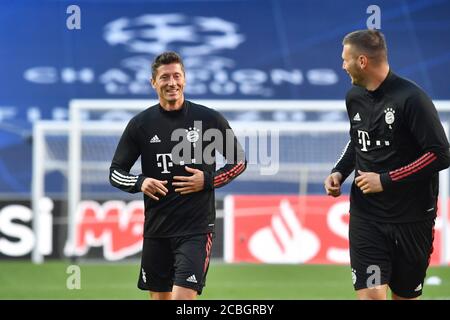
x: 175, y: 113
x: 378, y: 92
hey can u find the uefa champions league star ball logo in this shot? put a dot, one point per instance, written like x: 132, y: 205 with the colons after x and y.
x: 190, y: 36
x: 192, y: 135
x: 389, y: 116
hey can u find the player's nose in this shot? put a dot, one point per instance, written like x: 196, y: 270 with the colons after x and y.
x: 172, y: 81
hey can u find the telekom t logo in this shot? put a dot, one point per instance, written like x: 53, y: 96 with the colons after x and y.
x: 363, y: 138
x: 166, y: 161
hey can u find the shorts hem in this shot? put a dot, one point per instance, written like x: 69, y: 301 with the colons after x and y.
x: 198, y: 288
x: 360, y: 287
x: 406, y: 295
x: 155, y: 289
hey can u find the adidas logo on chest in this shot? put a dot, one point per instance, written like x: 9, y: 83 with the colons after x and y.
x: 155, y: 139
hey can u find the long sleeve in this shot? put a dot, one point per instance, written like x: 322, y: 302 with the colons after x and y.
x: 346, y: 162
x: 126, y: 154
x: 426, y: 128
x: 234, y: 155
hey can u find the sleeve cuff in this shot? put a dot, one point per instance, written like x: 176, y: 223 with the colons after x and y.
x: 208, y: 180
x: 343, y: 175
x: 139, y: 182
x: 386, y: 180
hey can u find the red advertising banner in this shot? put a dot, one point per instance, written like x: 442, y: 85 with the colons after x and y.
x: 291, y: 229
x: 257, y: 228
x: 114, y: 225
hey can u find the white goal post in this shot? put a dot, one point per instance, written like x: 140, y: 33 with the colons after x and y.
x: 78, y: 108
x: 79, y: 126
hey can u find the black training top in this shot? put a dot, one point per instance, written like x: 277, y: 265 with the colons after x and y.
x: 165, y: 151
x: 395, y: 131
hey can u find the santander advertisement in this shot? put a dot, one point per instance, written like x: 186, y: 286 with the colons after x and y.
x: 292, y: 229
x: 257, y: 229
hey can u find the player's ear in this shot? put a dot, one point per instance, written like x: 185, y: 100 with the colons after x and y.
x: 362, y: 60
x: 153, y: 83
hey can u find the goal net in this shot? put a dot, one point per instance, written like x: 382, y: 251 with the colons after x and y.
x: 285, y: 155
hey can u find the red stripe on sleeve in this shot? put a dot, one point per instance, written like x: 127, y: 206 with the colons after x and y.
x: 417, y: 162
x: 229, y: 176
x: 233, y: 172
x: 417, y: 165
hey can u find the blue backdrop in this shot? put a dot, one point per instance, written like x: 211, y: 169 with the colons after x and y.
x: 261, y: 49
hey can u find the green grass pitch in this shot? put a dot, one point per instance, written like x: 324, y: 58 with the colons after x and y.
x: 23, y: 280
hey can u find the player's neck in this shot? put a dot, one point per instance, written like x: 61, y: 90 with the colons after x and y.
x: 379, y: 74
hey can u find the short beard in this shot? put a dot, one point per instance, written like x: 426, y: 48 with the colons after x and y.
x: 356, y: 81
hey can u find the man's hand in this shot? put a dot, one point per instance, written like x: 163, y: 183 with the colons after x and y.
x: 369, y: 182
x: 151, y: 187
x: 189, y: 184
x: 333, y: 184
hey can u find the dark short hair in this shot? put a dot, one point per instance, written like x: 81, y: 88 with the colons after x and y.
x: 368, y: 42
x: 167, y: 57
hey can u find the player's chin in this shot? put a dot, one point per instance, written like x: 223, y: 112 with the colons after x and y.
x: 172, y: 98
x: 356, y: 82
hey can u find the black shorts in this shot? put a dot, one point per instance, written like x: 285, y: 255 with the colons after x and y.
x: 181, y: 261
x: 397, y: 254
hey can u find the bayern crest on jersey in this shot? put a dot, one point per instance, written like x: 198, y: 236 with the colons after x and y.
x: 389, y: 116
x: 192, y: 135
